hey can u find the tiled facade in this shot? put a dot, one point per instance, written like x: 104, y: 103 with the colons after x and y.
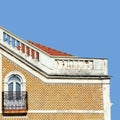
x: 55, y: 93
x: 42, y: 96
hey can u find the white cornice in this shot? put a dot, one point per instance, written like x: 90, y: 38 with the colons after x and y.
x: 46, y: 73
x: 54, y: 70
x: 53, y: 79
x: 66, y: 111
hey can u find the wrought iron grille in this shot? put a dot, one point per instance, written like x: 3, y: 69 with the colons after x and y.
x: 15, y: 100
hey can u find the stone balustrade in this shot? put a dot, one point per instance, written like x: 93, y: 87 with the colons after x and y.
x: 52, y: 65
x: 81, y: 66
x: 20, y: 46
x: 74, y: 64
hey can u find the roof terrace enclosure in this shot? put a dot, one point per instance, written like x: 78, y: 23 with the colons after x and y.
x: 41, y: 83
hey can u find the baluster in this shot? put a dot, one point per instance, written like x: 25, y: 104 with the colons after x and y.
x: 10, y: 42
x: 65, y: 63
x: 86, y: 64
x: 25, y: 49
x: 57, y: 63
x: 74, y: 64
x: 61, y: 64
x: 90, y: 65
x: 30, y: 52
x: 20, y: 47
x: 77, y: 64
x: 69, y: 64
x: 15, y: 42
x: 5, y: 37
x: 81, y: 64
x: 35, y: 55
x: 1, y: 36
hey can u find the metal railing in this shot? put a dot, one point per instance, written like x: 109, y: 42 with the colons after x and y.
x: 14, y: 100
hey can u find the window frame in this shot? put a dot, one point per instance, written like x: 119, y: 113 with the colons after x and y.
x: 19, y: 75
x: 16, y: 103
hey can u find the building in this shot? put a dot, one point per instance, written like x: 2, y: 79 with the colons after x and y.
x: 41, y: 83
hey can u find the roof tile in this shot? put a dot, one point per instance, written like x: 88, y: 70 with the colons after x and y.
x: 48, y: 50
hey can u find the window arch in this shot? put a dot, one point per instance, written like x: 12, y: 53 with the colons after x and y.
x: 14, y: 87
x: 15, y: 94
x: 15, y: 81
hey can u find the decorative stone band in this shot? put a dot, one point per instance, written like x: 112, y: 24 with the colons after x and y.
x: 67, y: 111
x: 57, y: 79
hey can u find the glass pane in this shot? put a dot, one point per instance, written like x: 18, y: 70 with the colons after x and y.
x: 18, y: 91
x: 10, y: 87
x: 10, y: 93
x: 14, y: 78
x: 18, y: 87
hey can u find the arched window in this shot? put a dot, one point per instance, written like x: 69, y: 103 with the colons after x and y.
x: 15, y: 81
x: 14, y: 87
x: 15, y: 94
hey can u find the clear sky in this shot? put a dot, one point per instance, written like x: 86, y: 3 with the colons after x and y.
x: 85, y: 28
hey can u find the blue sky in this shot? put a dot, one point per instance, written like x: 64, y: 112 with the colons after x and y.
x: 85, y: 28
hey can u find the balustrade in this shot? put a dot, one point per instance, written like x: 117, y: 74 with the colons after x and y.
x: 74, y: 64
x: 49, y: 64
x: 20, y: 46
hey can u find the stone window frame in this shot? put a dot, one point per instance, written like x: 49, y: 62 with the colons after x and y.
x: 19, y: 75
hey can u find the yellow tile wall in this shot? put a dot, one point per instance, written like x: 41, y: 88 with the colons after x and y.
x: 42, y: 96
x: 57, y: 117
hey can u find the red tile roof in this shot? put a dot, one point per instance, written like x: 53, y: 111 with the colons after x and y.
x: 48, y: 50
